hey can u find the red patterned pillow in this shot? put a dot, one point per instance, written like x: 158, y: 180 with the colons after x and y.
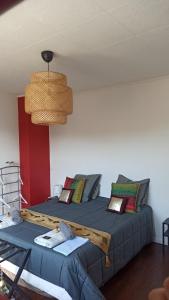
x: 131, y: 206
x: 68, y: 182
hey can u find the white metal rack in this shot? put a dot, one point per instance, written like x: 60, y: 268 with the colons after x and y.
x: 10, y: 188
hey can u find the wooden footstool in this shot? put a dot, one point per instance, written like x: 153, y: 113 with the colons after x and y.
x: 160, y: 293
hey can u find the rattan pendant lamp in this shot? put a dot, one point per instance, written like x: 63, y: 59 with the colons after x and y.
x: 48, y: 98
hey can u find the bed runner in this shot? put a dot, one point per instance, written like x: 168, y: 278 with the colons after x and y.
x: 99, y: 238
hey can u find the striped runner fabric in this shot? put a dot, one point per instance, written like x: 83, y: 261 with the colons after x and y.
x: 99, y: 238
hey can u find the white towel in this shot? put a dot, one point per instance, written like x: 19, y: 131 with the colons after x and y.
x: 70, y: 245
x: 50, y: 239
x: 6, y: 222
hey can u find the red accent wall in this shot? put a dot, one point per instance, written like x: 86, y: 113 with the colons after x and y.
x: 34, y: 157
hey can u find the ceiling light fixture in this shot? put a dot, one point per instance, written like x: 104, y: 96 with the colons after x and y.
x: 7, y: 4
x: 48, y: 98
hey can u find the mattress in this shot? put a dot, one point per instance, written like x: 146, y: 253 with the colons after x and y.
x: 83, y: 271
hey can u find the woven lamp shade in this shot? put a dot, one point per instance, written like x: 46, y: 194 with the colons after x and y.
x: 48, y: 118
x: 48, y: 98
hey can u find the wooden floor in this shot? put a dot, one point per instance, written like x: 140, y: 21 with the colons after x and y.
x: 146, y: 271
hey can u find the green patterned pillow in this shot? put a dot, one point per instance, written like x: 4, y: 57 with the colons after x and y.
x: 78, y: 187
x: 125, y: 189
x: 128, y: 191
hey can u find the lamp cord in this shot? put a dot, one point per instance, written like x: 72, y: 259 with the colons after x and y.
x: 48, y: 78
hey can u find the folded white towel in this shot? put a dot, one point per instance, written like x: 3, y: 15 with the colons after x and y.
x: 50, y: 239
x: 6, y: 222
x: 69, y: 246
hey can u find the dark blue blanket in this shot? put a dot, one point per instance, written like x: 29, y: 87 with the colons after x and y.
x: 83, y: 271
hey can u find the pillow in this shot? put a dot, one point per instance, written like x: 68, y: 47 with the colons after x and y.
x: 131, y: 205
x: 125, y: 189
x: 78, y: 187
x: 142, y: 196
x: 92, y: 181
x: 66, y: 196
x: 117, y: 205
x: 96, y: 192
x: 68, y: 182
x: 129, y: 191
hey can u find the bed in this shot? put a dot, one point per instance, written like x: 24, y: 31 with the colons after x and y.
x: 83, y: 272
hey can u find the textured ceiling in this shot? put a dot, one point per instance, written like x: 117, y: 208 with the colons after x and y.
x: 97, y: 42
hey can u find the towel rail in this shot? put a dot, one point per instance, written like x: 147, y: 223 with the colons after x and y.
x: 10, y: 188
x: 9, y: 251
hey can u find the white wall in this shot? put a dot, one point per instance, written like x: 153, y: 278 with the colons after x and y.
x: 9, y: 149
x: 123, y: 129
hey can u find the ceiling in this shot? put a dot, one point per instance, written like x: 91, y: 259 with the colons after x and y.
x: 97, y: 42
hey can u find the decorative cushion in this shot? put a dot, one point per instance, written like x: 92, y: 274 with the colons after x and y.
x: 117, y: 205
x: 96, y: 192
x: 125, y: 189
x: 131, y: 205
x: 92, y: 181
x: 78, y: 187
x: 68, y: 182
x: 66, y: 196
x: 128, y: 191
x: 142, y: 196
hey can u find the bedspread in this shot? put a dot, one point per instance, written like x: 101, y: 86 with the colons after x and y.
x: 83, y: 271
